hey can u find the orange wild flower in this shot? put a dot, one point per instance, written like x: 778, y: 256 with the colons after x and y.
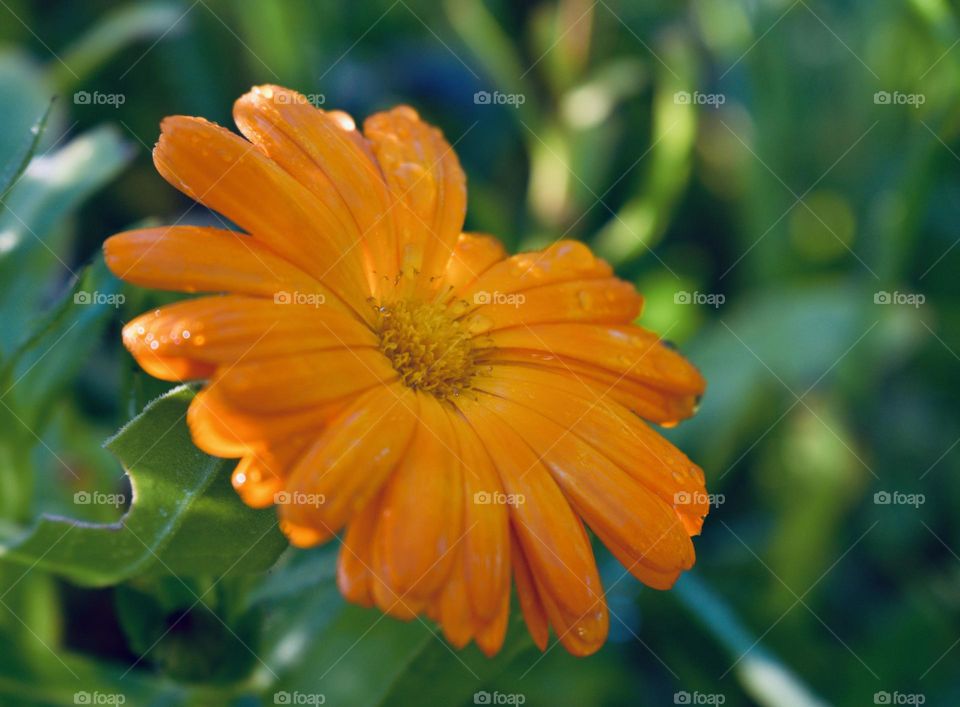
x: 459, y: 414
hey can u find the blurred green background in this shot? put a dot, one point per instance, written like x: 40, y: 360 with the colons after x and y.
x: 780, y: 179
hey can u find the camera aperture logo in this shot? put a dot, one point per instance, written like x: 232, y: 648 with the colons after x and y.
x: 514, y: 299
x: 308, y: 299
x: 486, y: 98
x: 84, y: 297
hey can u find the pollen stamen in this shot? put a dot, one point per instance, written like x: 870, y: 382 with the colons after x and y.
x: 430, y: 350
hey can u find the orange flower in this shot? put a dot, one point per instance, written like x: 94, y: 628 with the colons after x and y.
x: 458, y: 412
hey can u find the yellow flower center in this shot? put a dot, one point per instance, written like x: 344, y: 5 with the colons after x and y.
x: 427, y: 346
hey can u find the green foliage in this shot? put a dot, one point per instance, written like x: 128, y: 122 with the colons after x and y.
x: 184, y: 517
x: 763, y: 231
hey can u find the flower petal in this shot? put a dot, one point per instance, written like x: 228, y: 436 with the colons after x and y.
x: 228, y: 174
x: 260, y: 475
x: 564, y: 261
x: 218, y: 427
x: 487, y: 530
x: 552, y: 537
x: 472, y: 256
x: 602, y: 301
x: 355, y: 558
x: 609, y: 499
x: 197, y: 259
x: 349, y: 463
x: 428, y: 187
x: 303, y: 379
x: 613, y: 431
x: 223, y: 330
x: 629, y: 351
x: 324, y: 153
x: 657, y: 406
x: 528, y: 595
x: 421, y: 521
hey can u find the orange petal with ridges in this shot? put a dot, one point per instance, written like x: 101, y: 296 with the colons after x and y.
x: 613, y: 431
x: 349, y: 463
x: 218, y: 427
x: 224, y: 329
x: 303, y: 379
x: 472, y: 256
x: 422, y: 516
x: 428, y: 187
x: 260, y: 475
x: 486, y: 524
x: 563, y: 261
x: 230, y: 175
x: 323, y: 152
x: 607, y: 498
x: 355, y: 559
x: 603, y: 301
x: 553, y: 540
x: 528, y: 595
x: 198, y: 259
x: 489, y: 636
x: 658, y: 406
x: 630, y: 351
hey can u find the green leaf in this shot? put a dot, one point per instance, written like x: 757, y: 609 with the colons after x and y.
x: 31, y: 250
x: 112, y: 34
x: 185, y: 519
x: 17, y: 163
x: 764, y: 677
x: 317, y: 644
x: 59, y: 344
x: 24, y: 94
